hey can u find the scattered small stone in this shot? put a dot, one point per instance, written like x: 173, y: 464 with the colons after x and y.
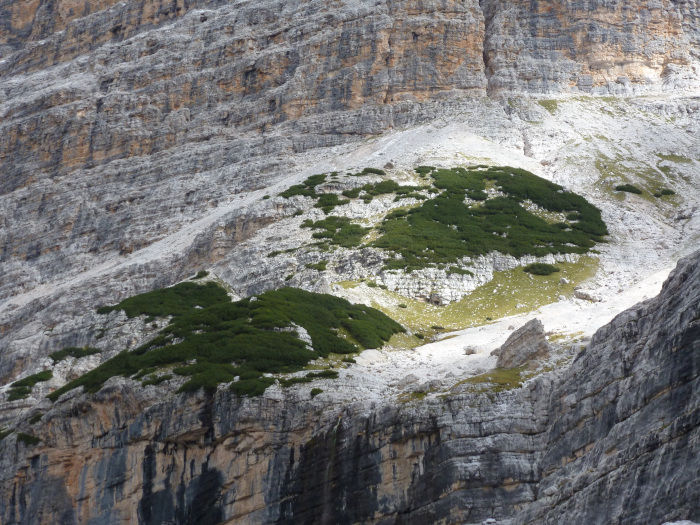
x: 585, y: 295
x: 470, y: 350
x: 563, y: 280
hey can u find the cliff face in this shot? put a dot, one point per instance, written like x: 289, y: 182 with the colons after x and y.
x: 589, y: 46
x: 122, y: 122
x: 136, y: 141
x: 613, y: 438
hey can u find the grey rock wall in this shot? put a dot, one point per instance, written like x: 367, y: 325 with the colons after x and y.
x: 614, y: 438
x: 121, y: 123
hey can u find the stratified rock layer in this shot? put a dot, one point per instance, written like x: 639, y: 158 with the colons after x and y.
x: 122, y: 122
x: 601, y: 46
x: 125, y: 123
x: 613, y: 438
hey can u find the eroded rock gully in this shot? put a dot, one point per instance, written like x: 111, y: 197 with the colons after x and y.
x: 613, y: 438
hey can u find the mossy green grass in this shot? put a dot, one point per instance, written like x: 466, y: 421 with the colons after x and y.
x: 510, y: 292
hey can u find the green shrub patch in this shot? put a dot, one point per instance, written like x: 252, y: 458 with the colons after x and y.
x: 337, y: 231
x: 22, y: 388
x: 328, y: 201
x: 448, y: 227
x: 353, y: 193
x: 629, y: 188
x: 306, y: 188
x: 319, y: 266
x: 425, y: 170
x: 176, y: 300
x: 212, y: 340
x: 28, y: 439
x: 540, y: 269
x: 370, y: 171
x: 72, y: 351
x: 663, y: 192
x: 459, y: 271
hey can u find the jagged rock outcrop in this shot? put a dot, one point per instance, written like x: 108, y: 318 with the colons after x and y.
x: 615, y: 437
x: 524, y: 345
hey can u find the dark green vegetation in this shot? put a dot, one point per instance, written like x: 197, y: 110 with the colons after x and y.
x: 315, y: 392
x: 22, y: 388
x: 200, y: 275
x: 425, y: 170
x: 4, y: 434
x: 176, y: 301
x: 369, y: 191
x: 629, y: 188
x: 35, y: 418
x: 72, y: 351
x: 459, y: 271
x: 328, y: 201
x: 540, y: 269
x: 325, y: 374
x: 156, y: 380
x: 28, y: 439
x: 663, y: 192
x: 470, y: 212
x: 353, y: 193
x: 306, y: 188
x: 337, y: 231
x: 447, y: 227
x: 375, y: 171
x: 212, y: 340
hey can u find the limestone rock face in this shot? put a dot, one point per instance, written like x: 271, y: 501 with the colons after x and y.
x: 599, y: 47
x: 523, y: 345
x: 136, y: 142
x: 591, y: 443
x: 122, y: 122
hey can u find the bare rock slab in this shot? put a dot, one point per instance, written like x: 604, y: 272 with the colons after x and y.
x: 524, y: 345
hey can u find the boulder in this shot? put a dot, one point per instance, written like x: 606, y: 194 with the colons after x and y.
x: 524, y: 345
x: 585, y: 295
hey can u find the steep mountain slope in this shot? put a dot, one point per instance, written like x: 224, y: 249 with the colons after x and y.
x: 141, y: 142
x: 615, y: 437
